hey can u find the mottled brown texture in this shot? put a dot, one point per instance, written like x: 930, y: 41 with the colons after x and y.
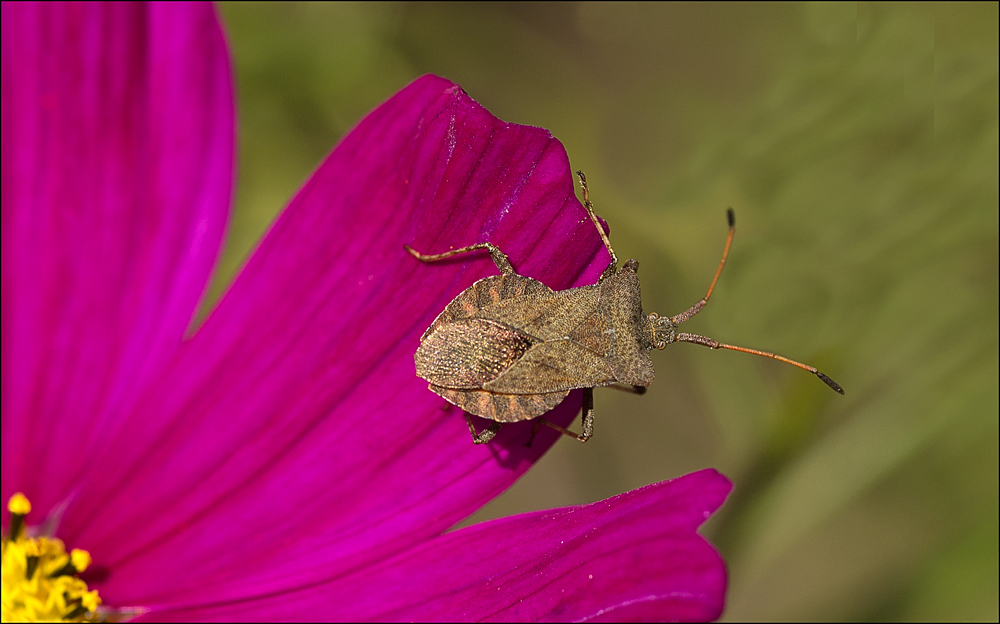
x: 470, y: 353
x: 509, y: 348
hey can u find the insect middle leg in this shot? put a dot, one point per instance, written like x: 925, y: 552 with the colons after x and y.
x: 587, y: 418
x: 486, y: 434
x: 499, y: 257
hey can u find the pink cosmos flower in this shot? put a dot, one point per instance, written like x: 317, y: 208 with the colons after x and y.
x: 283, y: 461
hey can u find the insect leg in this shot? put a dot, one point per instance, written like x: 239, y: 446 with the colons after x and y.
x: 613, y: 267
x: 587, y: 418
x: 499, y: 258
x: 487, y: 433
x: 588, y: 415
x: 627, y: 388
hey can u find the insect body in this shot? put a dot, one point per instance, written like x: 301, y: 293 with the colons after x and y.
x: 509, y: 348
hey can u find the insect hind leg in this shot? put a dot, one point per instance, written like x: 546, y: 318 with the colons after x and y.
x: 499, y: 257
x: 587, y: 418
x: 629, y: 388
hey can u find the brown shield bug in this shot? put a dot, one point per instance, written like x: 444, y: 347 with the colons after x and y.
x: 509, y: 348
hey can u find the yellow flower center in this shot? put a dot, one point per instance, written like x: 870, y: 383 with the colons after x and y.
x: 39, y: 577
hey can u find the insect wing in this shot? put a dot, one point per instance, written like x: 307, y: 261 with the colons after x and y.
x: 553, y: 366
x: 546, y: 316
x: 484, y: 293
x: 468, y: 353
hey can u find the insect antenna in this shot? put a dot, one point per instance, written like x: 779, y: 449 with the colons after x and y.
x: 696, y: 308
x: 713, y: 344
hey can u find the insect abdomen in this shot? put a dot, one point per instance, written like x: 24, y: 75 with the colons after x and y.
x: 501, y: 407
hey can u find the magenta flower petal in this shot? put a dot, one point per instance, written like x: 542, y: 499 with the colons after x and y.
x: 311, y: 422
x: 634, y: 557
x: 117, y: 174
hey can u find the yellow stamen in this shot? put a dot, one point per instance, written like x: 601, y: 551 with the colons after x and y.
x: 39, y: 577
x: 19, y: 504
x: 80, y: 559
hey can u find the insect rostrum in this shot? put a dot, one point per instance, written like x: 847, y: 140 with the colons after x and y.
x: 509, y: 348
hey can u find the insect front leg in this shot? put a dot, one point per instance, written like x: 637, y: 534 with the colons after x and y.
x: 587, y: 418
x: 486, y: 435
x: 499, y: 257
x: 613, y: 266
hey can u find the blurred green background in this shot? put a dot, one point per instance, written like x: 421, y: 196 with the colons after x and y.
x: 858, y: 145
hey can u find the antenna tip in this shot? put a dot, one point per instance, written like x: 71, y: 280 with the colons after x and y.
x: 731, y: 216
x: 833, y: 384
